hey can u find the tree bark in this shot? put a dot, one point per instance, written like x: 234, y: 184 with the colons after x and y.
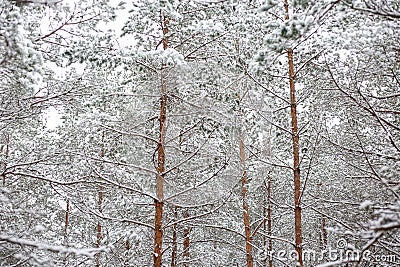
x: 99, y: 207
x: 99, y: 234
x: 323, y: 233
x: 296, y: 161
x: 186, y: 241
x: 66, y: 229
x: 265, y: 219
x: 244, y: 180
x: 159, y: 204
x: 127, y: 248
x: 66, y: 223
x: 269, y: 220
x: 6, y: 154
x: 246, y: 217
x: 296, y: 157
x: 268, y: 207
x: 174, y: 240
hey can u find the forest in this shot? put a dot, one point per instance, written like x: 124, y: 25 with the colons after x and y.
x: 200, y: 133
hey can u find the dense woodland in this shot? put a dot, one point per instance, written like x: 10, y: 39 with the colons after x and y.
x: 200, y: 133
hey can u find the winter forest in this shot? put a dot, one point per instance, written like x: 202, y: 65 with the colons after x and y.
x: 200, y: 133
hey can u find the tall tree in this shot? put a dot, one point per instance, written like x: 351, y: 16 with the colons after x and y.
x: 159, y: 202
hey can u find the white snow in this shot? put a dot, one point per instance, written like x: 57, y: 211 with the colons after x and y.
x: 39, y: 228
x: 63, y: 204
x: 53, y: 118
x: 89, y: 252
x: 365, y: 204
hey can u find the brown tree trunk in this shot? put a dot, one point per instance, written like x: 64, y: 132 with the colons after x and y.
x: 269, y: 219
x: 296, y: 162
x: 296, y: 157
x: 268, y: 208
x: 159, y: 204
x: 127, y: 248
x: 99, y: 207
x: 246, y: 217
x: 324, y: 233
x: 186, y: 241
x: 99, y: 234
x: 66, y: 229
x: 242, y: 155
x: 174, y: 240
x: 66, y: 223
x: 265, y: 216
x: 6, y: 153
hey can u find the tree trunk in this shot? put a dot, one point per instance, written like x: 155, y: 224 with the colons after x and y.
x: 296, y: 157
x: 242, y: 155
x: 99, y: 234
x: 296, y: 161
x: 66, y: 223
x: 269, y: 219
x: 6, y: 154
x: 323, y: 233
x: 265, y: 219
x: 246, y: 217
x: 127, y: 248
x: 186, y: 241
x: 99, y: 206
x: 267, y: 211
x: 159, y: 204
x: 66, y: 229
x: 174, y: 240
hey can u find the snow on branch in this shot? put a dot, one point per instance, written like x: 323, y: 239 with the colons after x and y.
x: 88, y: 252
